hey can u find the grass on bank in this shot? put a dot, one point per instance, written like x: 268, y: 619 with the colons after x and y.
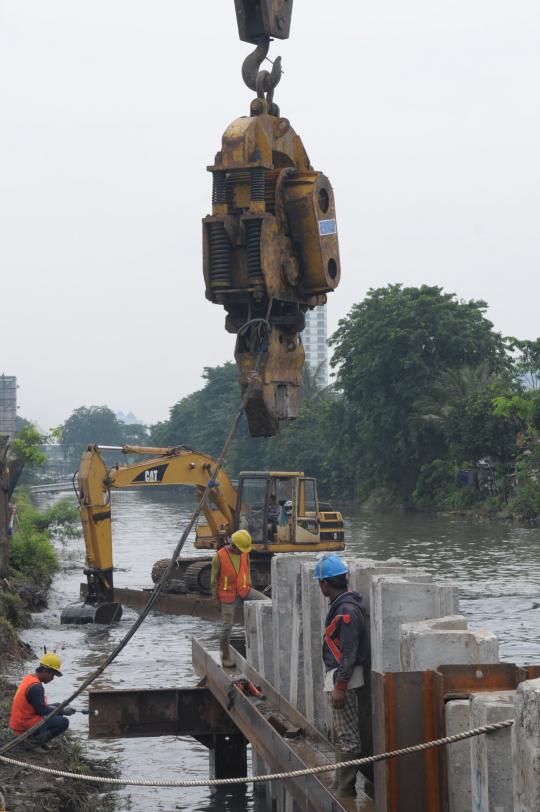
x: 33, y: 562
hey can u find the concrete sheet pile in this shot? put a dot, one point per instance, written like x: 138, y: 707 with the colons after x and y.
x: 415, y: 626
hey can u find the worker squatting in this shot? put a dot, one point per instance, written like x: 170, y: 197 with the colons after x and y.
x: 346, y: 643
x: 30, y: 704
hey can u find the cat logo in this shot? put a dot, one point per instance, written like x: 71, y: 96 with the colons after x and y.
x: 151, y: 476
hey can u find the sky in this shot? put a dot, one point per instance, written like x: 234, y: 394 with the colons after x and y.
x: 425, y: 115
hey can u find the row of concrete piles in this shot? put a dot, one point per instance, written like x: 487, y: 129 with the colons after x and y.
x: 415, y: 626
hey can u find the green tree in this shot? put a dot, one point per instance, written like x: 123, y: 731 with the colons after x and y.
x: 22, y: 450
x: 135, y: 434
x: 460, y: 406
x: 528, y: 362
x: 389, y: 352
x: 94, y: 424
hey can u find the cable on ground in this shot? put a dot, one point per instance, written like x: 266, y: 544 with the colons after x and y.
x: 258, y: 779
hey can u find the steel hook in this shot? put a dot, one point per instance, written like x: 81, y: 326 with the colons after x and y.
x: 262, y: 81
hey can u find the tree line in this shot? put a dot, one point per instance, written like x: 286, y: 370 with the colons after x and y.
x: 430, y: 407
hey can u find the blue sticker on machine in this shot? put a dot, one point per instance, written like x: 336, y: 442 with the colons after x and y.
x: 327, y: 227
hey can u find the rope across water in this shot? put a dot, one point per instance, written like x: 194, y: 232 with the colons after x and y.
x: 258, y: 779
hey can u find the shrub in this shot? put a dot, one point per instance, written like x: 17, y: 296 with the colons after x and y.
x: 32, y: 554
x: 12, y: 608
x: 63, y: 518
x: 8, y: 638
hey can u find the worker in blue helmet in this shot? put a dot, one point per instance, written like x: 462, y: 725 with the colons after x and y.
x: 346, y: 652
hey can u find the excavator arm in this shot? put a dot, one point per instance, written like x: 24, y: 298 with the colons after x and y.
x: 165, y: 466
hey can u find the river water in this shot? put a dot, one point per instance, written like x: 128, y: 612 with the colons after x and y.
x: 496, y: 567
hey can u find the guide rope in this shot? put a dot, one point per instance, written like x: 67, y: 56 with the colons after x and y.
x: 258, y: 779
x: 154, y: 595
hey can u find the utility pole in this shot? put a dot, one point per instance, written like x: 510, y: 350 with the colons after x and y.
x: 4, y: 506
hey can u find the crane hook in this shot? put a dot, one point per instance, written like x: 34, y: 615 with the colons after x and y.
x: 262, y: 81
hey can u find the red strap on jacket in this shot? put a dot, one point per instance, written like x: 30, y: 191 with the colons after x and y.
x: 334, y: 643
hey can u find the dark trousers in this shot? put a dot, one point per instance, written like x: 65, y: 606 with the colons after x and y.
x: 53, y: 727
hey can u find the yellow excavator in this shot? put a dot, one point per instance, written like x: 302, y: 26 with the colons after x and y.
x: 280, y: 509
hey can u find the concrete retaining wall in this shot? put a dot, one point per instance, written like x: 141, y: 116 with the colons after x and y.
x: 415, y: 626
x: 445, y: 641
x: 526, y: 747
x: 402, y: 599
x: 491, y: 761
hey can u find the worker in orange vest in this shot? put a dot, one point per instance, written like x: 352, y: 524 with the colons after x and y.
x: 231, y: 586
x: 30, y: 704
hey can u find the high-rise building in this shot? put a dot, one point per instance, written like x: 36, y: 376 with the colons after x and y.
x: 314, y: 338
x: 8, y: 405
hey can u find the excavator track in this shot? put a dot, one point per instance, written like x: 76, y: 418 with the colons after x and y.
x: 192, y: 575
x: 197, y: 576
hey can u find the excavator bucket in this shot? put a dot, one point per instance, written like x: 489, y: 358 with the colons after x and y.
x: 80, y: 613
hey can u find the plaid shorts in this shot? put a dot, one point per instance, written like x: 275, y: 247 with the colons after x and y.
x: 346, y: 725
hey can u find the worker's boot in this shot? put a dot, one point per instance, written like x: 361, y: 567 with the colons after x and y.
x: 44, y: 741
x: 345, y: 778
x: 226, y: 656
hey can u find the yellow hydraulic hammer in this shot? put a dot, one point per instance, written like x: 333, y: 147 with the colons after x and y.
x: 270, y: 246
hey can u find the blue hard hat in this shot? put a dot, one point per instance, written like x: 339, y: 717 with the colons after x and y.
x: 329, y: 566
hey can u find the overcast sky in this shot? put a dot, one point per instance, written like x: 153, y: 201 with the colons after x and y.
x: 423, y: 113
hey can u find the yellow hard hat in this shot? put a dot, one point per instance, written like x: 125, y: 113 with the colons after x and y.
x: 52, y: 660
x: 242, y: 540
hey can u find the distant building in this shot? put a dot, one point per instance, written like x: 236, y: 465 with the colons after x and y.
x: 314, y: 338
x: 8, y: 405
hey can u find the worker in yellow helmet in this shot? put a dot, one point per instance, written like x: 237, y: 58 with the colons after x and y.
x: 231, y: 585
x: 30, y: 702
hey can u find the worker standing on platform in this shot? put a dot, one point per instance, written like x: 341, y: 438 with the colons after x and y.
x: 346, y: 651
x: 231, y: 586
x: 30, y: 702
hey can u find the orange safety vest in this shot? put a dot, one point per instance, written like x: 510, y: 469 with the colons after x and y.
x: 332, y: 642
x: 231, y: 584
x: 23, y: 714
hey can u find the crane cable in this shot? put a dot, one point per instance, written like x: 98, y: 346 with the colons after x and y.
x: 172, y: 563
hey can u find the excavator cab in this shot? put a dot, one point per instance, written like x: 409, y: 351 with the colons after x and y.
x: 281, y: 511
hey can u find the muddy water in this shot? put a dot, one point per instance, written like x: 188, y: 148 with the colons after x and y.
x: 497, y: 568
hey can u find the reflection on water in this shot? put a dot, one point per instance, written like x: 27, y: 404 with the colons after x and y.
x: 496, y: 567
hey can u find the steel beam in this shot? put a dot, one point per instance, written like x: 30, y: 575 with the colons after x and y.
x: 170, y: 604
x: 408, y: 708
x: 282, y: 755
x: 161, y: 712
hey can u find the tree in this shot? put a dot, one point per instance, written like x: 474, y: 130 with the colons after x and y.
x: 528, y: 362
x: 23, y: 450
x: 135, y: 434
x: 94, y: 424
x: 389, y: 351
